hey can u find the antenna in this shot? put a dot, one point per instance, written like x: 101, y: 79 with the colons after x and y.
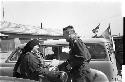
x: 3, y: 12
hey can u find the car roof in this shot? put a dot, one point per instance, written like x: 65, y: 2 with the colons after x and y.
x: 85, y: 40
x: 95, y: 40
x: 55, y: 42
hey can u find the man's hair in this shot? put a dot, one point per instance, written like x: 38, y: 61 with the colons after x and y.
x: 68, y: 27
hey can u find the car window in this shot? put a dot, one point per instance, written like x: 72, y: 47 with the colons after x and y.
x: 16, y: 54
x: 56, y: 52
x: 96, y: 50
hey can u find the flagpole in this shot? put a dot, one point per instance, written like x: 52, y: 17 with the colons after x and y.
x: 3, y: 12
x: 112, y: 41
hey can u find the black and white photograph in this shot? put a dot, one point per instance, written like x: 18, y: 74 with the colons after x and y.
x: 61, y: 41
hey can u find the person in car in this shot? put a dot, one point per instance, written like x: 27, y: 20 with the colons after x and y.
x: 79, y: 56
x: 30, y: 63
x: 55, y: 55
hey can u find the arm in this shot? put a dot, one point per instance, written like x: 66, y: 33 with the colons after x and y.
x: 82, y: 49
x: 35, y: 65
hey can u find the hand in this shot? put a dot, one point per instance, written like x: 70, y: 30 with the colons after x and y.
x: 53, y: 69
x: 16, y: 74
x: 69, y: 67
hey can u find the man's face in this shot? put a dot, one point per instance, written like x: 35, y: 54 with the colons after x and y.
x: 66, y: 35
x: 35, y: 48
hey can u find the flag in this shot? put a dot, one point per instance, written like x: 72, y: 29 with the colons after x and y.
x: 96, y: 29
x: 95, y: 36
x: 107, y: 33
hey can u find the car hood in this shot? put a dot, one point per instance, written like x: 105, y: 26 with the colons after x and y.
x: 4, y: 56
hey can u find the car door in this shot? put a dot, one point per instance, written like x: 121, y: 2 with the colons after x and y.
x: 6, y: 68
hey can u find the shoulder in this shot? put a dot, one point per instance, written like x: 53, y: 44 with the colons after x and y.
x: 30, y: 57
x: 29, y: 53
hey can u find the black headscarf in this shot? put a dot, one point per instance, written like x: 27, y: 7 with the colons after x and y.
x: 29, y: 46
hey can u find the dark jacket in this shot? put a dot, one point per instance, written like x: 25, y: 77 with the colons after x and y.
x: 28, y: 62
x: 79, y: 51
x: 30, y: 66
x: 79, y: 60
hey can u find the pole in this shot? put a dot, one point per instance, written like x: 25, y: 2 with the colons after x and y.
x: 3, y: 12
x: 119, y: 34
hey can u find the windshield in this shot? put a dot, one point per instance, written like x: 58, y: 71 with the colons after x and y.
x: 96, y: 50
x: 16, y: 53
x: 56, y: 52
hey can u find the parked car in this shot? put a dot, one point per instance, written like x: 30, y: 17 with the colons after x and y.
x: 103, y: 58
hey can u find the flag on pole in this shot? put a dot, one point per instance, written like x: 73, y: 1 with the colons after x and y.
x: 96, y: 29
x: 95, y: 36
x: 107, y: 33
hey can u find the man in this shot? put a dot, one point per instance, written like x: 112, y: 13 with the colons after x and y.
x: 79, y: 56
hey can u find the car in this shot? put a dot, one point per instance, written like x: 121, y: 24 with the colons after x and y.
x: 103, y: 58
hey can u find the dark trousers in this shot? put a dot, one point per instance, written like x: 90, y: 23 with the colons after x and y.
x: 79, y: 72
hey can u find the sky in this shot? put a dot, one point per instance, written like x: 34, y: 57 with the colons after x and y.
x: 82, y: 15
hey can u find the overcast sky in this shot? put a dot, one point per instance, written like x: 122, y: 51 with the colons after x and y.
x: 83, y: 15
